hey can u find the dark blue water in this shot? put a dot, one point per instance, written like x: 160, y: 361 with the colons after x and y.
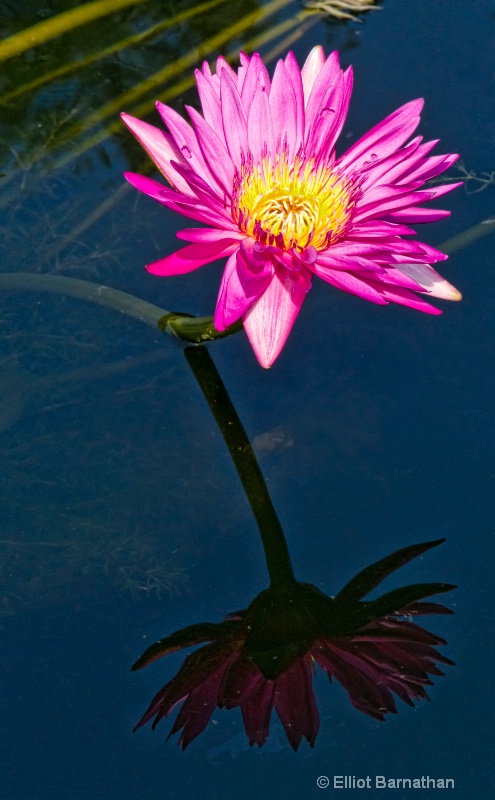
x: 122, y: 516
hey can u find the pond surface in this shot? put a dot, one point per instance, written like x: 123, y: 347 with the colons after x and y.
x: 122, y: 515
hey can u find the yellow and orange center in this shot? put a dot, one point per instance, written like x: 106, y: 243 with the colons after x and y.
x: 292, y: 206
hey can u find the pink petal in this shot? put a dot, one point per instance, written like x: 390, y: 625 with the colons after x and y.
x: 241, y: 72
x: 361, y: 248
x: 199, y: 705
x: 383, y: 192
x: 269, y: 321
x: 241, y: 681
x: 351, y: 284
x: 423, y: 251
x: 260, y: 129
x: 432, y: 166
x: 392, y: 276
x: 152, y: 188
x: 234, y: 120
x: 328, y: 128
x: 210, y: 102
x: 393, y: 199
x: 406, y: 298
x: 390, y: 169
x: 192, y: 257
x: 328, y: 261
x: 387, y: 251
x: 213, y: 80
x: 156, y: 706
x: 294, y: 74
x: 431, y: 280
x: 325, y: 94
x: 385, y: 137
x: 438, y: 191
x: 240, y: 288
x: 418, y: 215
x: 160, y: 148
x: 208, y: 234
x: 283, y: 108
x: 311, y: 69
x: 378, y: 227
x: 187, y: 206
x: 187, y: 143
x: 222, y: 65
x: 366, y: 692
x: 256, y: 80
x: 202, y: 213
x: 214, y: 150
x: 205, y: 193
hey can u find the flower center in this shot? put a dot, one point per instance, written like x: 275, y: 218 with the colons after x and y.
x: 292, y: 206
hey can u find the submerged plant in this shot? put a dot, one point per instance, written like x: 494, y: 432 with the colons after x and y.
x: 341, y: 9
x: 259, y: 168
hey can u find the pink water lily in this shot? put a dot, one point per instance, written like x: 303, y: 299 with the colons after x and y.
x: 259, y: 168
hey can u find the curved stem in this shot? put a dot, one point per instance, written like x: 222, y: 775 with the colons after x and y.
x: 197, y: 330
x: 183, y: 326
x: 272, y: 536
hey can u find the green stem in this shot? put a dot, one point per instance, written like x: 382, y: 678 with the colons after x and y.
x: 272, y: 536
x: 195, y: 329
x: 183, y: 326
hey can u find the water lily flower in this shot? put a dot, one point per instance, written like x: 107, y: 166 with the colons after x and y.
x: 259, y: 168
x: 264, y: 658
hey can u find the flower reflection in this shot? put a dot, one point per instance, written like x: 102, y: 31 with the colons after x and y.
x: 259, y: 168
x: 264, y: 657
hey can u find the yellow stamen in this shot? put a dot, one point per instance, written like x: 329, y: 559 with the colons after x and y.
x: 292, y: 205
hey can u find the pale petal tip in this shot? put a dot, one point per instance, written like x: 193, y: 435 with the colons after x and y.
x: 266, y: 364
x: 318, y: 53
x: 444, y: 290
x: 269, y: 320
x: 266, y: 349
x: 454, y: 294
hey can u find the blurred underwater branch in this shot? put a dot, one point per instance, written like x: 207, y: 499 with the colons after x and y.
x: 70, y: 67
x: 60, y: 24
x: 170, y: 80
x: 298, y: 23
x: 341, y: 9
